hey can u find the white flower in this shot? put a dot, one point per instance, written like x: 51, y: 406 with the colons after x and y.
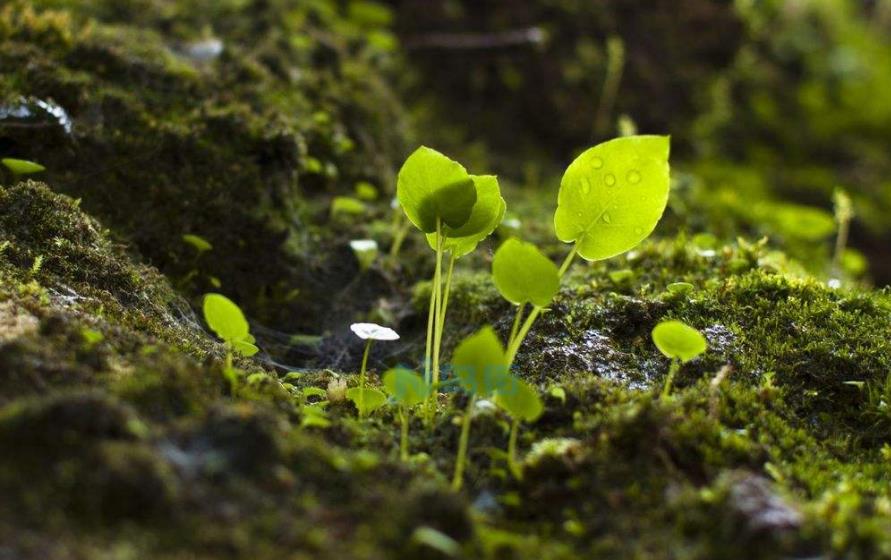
x: 363, y: 245
x: 373, y: 331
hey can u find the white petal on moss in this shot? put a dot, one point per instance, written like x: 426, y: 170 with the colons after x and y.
x: 373, y: 331
x: 363, y: 245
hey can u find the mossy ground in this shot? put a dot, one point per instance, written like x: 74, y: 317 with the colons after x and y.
x: 121, y: 438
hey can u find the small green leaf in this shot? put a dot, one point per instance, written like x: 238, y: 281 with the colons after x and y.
x: 406, y: 386
x: 244, y: 347
x: 479, y: 363
x: 345, y: 205
x: 678, y: 340
x: 225, y: 318
x: 612, y: 196
x: 522, y: 274
x: 680, y: 287
x: 366, y: 191
x: 367, y: 400
x: 199, y: 243
x: 432, y: 187
x: 22, y: 166
x: 487, y: 213
x: 520, y: 400
x: 437, y: 540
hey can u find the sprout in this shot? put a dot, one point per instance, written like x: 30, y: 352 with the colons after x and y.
x: 408, y: 389
x: 365, y: 251
x: 481, y: 367
x: 21, y: 167
x: 225, y: 319
x: 366, y: 399
x: 522, y: 402
x: 199, y: 243
x: 346, y: 206
x: 681, y: 343
x: 680, y: 288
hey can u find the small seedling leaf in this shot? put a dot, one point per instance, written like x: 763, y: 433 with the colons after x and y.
x: 22, y: 166
x: 678, y: 340
x: 199, y: 243
x: 367, y: 400
x: 520, y: 400
x: 612, y: 196
x: 405, y: 386
x: 488, y: 211
x: 680, y: 287
x: 522, y: 274
x: 225, y: 318
x: 244, y: 347
x: 479, y: 363
x: 432, y: 187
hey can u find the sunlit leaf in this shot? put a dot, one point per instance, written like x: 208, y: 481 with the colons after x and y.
x: 199, y: 243
x: 367, y: 399
x: 612, y: 196
x: 522, y: 274
x: 432, y: 187
x: 22, y: 166
x: 678, y: 340
x: 480, y: 364
x: 487, y: 213
x: 225, y: 318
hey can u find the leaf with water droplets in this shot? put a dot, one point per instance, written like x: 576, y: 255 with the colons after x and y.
x: 613, y: 195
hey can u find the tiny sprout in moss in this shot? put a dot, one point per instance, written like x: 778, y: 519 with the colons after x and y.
x: 408, y: 389
x: 343, y: 206
x: 366, y: 251
x: 199, y: 243
x: 680, y: 288
x: 21, y: 167
x: 522, y: 402
x: 481, y: 367
x: 681, y: 343
x: 368, y: 399
x: 227, y: 321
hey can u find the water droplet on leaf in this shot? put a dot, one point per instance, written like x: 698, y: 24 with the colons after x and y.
x: 586, y: 186
x: 634, y: 177
x: 597, y: 163
x: 610, y: 179
x: 606, y: 218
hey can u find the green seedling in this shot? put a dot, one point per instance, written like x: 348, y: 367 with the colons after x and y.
x: 227, y: 321
x: 408, y: 389
x: 611, y: 198
x: 346, y: 206
x: 366, y: 191
x: 844, y: 213
x: 480, y: 365
x: 366, y: 251
x: 680, y: 288
x: 456, y: 210
x: 368, y: 399
x: 522, y: 402
x: 681, y: 343
x: 20, y: 167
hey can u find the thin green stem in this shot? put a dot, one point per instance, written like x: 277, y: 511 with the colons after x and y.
x: 428, y: 350
x: 516, y: 326
x: 362, y: 377
x: 445, y: 294
x: 841, y: 241
x: 512, y: 451
x: 403, y: 439
x: 402, y: 227
x: 615, y: 49
x: 458, y: 479
x: 568, y: 260
x: 437, y: 325
x: 672, y: 371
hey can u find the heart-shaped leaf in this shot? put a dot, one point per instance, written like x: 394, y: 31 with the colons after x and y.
x: 487, y: 213
x: 612, y: 196
x: 479, y: 363
x: 405, y: 386
x: 432, y: 187
x: 522, y: 274
x: 678, y: 340
x: 520, y: 400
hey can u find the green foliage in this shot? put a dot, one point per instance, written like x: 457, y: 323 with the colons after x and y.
x: 199, y: 243
x: 480, y: 364
x: 523, y: 274
x: 435, y: 189
x: 612, y: 196
x: 225, y: 319
x: 405, y: 386
x: 679, y: 341
x: 366, y: 399
x: 22, y: 166
x: 680, y: 287
x: 488, y: 211
x: 347, y: 206
x: 520, y: 400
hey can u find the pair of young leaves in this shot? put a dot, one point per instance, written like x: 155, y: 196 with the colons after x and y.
x: 225, y: 318
x: 434, y: 189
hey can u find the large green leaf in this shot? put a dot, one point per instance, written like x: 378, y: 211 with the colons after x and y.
x: 479, y: 363
x: 678, y: 340
x: 522, y: 274
x: 225, y: 318
x: 488, y: 211
x: 405, y: 386
x: 612, y: 196
x: 432, y: 187
x: 520, y: 400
